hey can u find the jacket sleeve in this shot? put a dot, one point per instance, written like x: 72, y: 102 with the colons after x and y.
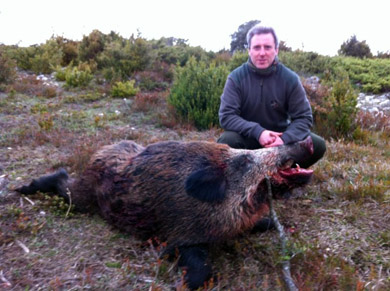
x: 230, y: 112
x: 299, y: 110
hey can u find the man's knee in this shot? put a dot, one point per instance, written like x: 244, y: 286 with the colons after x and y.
x: 232, y: 139
x: 237, y: 141
x: 319, y: 146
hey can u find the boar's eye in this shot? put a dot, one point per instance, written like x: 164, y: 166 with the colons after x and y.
x: 242, y: 163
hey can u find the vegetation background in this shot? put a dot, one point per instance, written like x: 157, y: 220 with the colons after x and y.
x: 61, y: 100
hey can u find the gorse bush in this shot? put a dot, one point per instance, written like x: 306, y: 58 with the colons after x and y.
x: 60, y: 73
x: 371, y: 75
x: 176, y: 51
x: 150, y: 81
x: 124, y: 89
x: 237, y: 60
x: 7, y: 67
x: 157, y: 78
x: 69, y: 49
x: 343, y: 101
x: 305, y: 63
x: 196, y: 91
x: 91, y: 46
x: 334, y: 107
x: 117, y: 59
x: 23, y: 56
x: 40, y: 59
x: 121, y: 58
x: 75, y: 77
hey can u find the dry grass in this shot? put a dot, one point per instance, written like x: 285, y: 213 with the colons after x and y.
x: 338, y: 226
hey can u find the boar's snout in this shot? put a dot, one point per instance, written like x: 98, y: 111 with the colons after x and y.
x: 297, y: 152
x: 308, y: 145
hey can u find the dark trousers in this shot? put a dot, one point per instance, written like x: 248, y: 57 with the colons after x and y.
x: 237, y: 141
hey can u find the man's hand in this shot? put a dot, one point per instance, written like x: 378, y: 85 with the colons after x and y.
x: 270, y: 138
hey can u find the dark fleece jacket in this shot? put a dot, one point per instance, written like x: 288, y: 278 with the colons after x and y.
x: 252, y: 102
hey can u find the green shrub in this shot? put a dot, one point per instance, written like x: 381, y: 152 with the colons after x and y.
x: 152, y: 80
x: 77, y: 78
x: 70, y: 50
x: 41, y: 59
x: 196, y: 91
x: 370, y: 75
x: 60, y: 73
x: 124, y: 89
x: 164, y: 71
x: 305, y: 63
x: 238, y: 59
x: 121, y: 58
x: 343, y: 100
x: 49, y: 55
x: 333, y: 104
x: 176, y: 51
x: 149, y: 83
x: 7, y: 67
x: 355, y: 48
x: 46, y: 121
x: 91, y: 46
x: 334, y: 107
x: 111, y: 75
x: 24, y: 55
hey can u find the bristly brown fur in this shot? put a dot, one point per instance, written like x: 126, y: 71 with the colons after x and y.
x: 143, y: 190
x: 187, y: 194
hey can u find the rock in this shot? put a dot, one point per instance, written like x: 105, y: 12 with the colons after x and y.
x: 371, y: 103
x: 3, y: 183
x: 314, y: 82
x: 374, y: 103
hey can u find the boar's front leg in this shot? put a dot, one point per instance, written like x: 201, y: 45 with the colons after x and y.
x: 194, y: 260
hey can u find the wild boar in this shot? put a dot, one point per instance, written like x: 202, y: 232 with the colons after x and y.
x: 187, y: 194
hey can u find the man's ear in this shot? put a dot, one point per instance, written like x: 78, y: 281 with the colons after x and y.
x: 207, y: 184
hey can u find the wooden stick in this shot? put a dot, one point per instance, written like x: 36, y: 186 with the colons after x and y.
x: 70, y: 202
x: 6, y: 283
x: 29, y: 200
x: 283, y: 241
x: 23, y: 246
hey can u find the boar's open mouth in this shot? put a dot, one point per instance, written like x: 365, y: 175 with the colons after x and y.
x: 295, y: 174
x: 287, y: 177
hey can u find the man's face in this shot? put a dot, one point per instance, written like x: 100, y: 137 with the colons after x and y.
x: 262, y: 50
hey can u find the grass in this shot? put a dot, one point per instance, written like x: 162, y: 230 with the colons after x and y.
x: 338, y: 226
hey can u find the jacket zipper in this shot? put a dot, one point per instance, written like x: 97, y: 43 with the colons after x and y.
x: 261, y: 90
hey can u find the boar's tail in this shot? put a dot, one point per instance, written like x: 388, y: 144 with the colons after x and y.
x: 55, y: 184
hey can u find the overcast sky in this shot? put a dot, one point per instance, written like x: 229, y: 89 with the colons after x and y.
x: 319, y: 26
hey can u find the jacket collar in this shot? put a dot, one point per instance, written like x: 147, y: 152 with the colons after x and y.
x: 264, y: 72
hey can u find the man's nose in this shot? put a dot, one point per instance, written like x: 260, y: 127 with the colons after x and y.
x: 262, y: 51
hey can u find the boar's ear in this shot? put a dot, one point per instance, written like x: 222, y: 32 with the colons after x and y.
x: 207, y: 184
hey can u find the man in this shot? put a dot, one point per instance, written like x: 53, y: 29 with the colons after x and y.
x: 263, y: 103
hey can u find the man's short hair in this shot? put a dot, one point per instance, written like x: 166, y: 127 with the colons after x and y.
x: 258, y: 29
